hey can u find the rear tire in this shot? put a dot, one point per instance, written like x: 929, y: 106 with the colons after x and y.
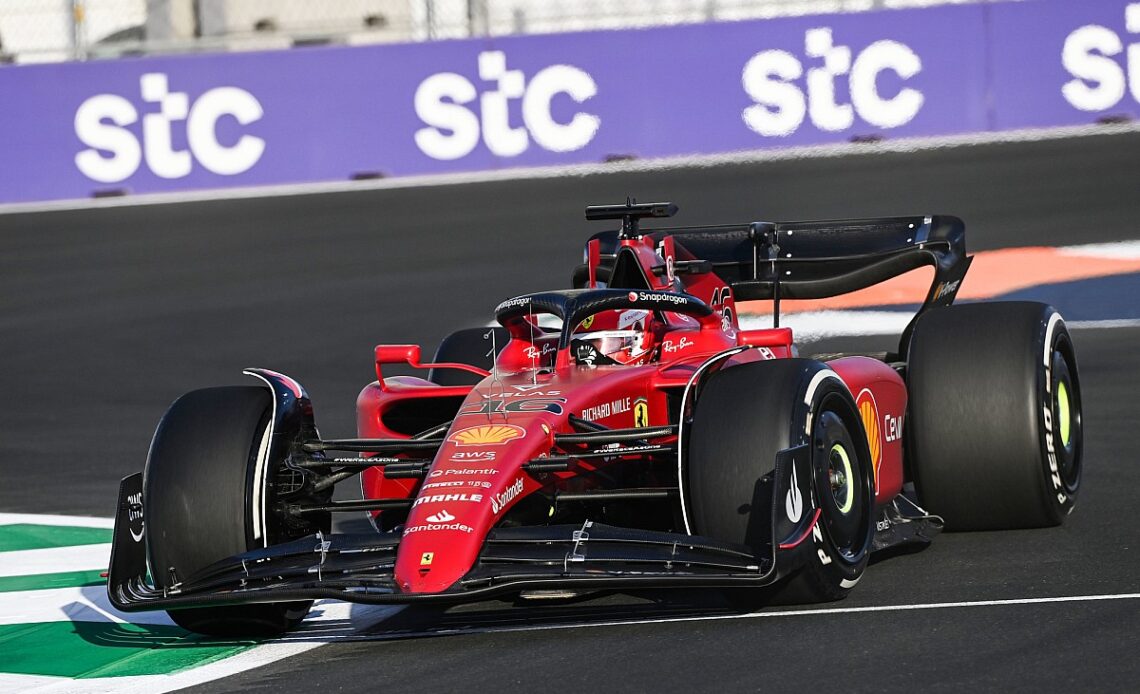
x: 994, y: 432
x: 744, y: 416
x: 206, y: 464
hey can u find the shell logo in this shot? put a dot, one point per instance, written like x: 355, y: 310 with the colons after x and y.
x: 487, y: 435
x: 869, y: 413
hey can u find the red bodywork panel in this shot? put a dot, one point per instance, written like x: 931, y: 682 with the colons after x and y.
x: 511, y: 417
x: 880, y: 395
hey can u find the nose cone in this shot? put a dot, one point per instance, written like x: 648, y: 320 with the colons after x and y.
x: 475, y: 478
x: 438, y: 548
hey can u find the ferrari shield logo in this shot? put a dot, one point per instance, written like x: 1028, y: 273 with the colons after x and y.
x: 426, y: 558
x: 641, y: 413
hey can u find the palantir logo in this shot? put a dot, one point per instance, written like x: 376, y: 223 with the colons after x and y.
x: 780, y: 105
x: 454, y: 128
x: 1089, y: 55
x: 115, y: 153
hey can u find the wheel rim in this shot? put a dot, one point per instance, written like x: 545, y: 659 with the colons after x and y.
x: 1063, y: 414
x: 842, y: 483
x: 840, y: 476
x: 1066, y: 411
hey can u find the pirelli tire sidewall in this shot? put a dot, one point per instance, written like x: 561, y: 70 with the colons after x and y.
x: 840, y: 542
x: 1062, y: 433
x: 994, y: 431
x: 743, y: 417
x: 210, y: 453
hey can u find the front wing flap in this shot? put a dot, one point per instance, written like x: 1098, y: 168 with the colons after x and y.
x: 360, y: 567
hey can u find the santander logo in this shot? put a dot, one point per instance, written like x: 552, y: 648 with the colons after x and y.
x: 500, y: 501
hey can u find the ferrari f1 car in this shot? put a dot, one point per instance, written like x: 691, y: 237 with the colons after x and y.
x: 621, y: 435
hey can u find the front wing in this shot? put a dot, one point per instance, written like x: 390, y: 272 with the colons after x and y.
x: 360, y: 567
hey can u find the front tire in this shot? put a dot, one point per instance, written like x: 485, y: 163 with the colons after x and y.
x: 203, y: 486
x: 744, y: 416
x: 994, y: 434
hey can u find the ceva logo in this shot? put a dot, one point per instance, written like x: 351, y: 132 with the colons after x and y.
x: 101, y: 124
x: 454, y: 128
x: 780, y: 105
x: 1089, y: 55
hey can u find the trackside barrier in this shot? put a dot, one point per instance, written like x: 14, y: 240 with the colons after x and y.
x: 326, y: 114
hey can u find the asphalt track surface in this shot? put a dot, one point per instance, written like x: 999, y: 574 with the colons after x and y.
x: 107, y: 315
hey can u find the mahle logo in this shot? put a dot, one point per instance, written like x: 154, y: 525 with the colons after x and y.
x: 446, y: 103
x: 115, y: 153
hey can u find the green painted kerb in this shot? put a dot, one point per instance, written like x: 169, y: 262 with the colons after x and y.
x: 101, y: 649
x: 70, y: 579
x: 20, y: 536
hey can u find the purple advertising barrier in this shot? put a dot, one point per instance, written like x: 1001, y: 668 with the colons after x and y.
x: 327, y: 114
x: 1062, y: 62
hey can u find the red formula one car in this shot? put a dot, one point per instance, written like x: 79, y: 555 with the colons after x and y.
x: 621, y: 435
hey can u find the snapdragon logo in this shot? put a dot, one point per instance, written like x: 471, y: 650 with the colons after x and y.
x: 445, y: 102
x: 781, y: 106
x: 115, y: 153
x: 1089, y: 55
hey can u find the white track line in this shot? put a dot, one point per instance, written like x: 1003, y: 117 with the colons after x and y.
x: 831, y: 151
x: 1117, y: 250
x: 87, y: 604
x: 29, y: 562
x: 1104, y: 324
x: 29, y: 683
x: 817, y: 325
x: 263, y: 655
x: 379, y: 636
x: 70, y: 521
x: 154, y: 684
x: 335, y: 621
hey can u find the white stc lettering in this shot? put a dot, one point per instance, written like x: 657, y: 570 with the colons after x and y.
x: 780, y: 106
x: 1090, y: 53
x: 445, y: 102
x: 115, y: 153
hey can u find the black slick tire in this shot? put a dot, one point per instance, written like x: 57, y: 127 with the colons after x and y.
x: 200, y: 488
x: 994, y: 433
x: 743, y: 417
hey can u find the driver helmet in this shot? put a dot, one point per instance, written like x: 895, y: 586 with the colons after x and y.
x: 614, y: 337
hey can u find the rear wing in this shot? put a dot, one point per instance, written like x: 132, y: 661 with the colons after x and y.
x: 820, y: 259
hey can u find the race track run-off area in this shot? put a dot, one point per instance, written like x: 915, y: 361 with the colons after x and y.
x: 56, y: 625
x: 112, y: 310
